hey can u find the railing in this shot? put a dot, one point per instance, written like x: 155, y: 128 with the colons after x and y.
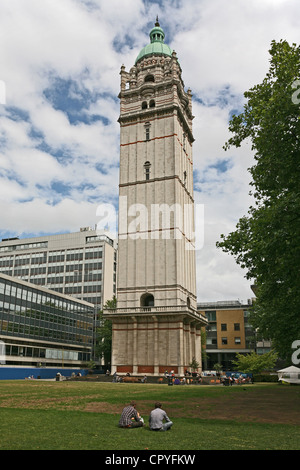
x: 156, y: 310
x: 220, y: 304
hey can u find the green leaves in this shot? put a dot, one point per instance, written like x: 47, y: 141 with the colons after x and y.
x: 255, y: 363
x: 104, y: 334
x: 267, y: 241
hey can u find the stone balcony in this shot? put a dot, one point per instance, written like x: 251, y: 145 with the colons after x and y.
x: 159, y: 310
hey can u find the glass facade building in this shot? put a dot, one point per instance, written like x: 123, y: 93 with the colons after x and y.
x: 39, y: 326
x: 81, y: 264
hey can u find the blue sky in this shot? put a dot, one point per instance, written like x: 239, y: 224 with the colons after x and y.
x: 59, y: 136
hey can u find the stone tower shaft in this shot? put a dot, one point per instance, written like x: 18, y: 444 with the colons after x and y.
x: 156, y: 295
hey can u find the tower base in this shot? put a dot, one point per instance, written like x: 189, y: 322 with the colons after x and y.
x: 149, y: 340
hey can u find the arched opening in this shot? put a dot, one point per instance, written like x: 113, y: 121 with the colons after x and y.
x: 149, y: 78
x: 147, y: 300
x: 147, y: 166
x: 144, y: 105
x: 152, y: 104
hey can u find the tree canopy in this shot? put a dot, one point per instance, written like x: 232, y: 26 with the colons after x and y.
x: 255, y: 363
x: 266, y: 242
x: 104, y: 334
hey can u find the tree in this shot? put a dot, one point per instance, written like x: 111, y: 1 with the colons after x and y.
x: 194, y: 364
x: 254, y: 362
x: 204, y: 355
x: 218, y: 367
x: 267, y: 241
x: 104, y: 334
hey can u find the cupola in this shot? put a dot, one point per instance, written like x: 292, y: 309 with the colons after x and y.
x: 157, y: 45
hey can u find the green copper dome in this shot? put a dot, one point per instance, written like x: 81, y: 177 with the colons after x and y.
x: 157, y: 45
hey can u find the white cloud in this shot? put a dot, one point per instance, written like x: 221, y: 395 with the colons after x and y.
x: 49, y: 218
x: 54, y: 171
x: 220, y: 43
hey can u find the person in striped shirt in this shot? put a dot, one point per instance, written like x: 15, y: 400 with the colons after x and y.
x: 130, y: 418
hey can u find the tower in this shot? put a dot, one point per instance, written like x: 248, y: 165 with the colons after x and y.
x: 156, y: 324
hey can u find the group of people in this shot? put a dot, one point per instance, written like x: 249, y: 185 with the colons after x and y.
x: 158, y: 419
x: 117, y: 378
x: 169, y: 374
x: 232, y: 379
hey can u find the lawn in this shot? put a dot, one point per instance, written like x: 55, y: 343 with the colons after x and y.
x: 46, y: 415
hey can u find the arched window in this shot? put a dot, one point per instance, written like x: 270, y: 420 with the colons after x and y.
x: 149, y: 78
x: 152, y: 104
x: 147, y: 300
x: 147, y: 166
x: 144, y: 105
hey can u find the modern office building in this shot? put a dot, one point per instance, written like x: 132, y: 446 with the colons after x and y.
x: 81, y: 264
x: 229, y: 332
x: 41, y: 327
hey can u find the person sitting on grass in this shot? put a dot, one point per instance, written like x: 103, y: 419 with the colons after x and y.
x: 130, y: 418
x: 157, y: 418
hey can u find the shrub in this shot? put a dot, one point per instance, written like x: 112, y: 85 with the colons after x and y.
x: 265, y: 378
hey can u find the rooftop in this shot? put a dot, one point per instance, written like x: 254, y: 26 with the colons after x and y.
x: 157, y: 45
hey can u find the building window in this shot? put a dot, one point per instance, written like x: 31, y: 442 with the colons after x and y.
x: 144, y: 105
x: 147, y: 130
x: 237, y: 340
x: 236, y: 327
x: 210, y: 315
x: 211, y: 341
x: 147, y: 166
x: 223, y: 326
x: 224, y: 340
x: 147, y: 300
x: 149, y: 78
x: 152, y: 104
x: 184, y: 141
x: 212, y: 327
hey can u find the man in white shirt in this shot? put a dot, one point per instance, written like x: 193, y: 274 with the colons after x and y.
x: 157, y: 418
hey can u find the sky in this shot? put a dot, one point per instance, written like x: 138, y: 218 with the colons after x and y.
x: 59, y: 136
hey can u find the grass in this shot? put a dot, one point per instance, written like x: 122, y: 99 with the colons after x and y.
x: 37, y: 415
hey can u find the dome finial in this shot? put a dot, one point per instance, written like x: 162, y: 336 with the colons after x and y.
x: 157, y: 45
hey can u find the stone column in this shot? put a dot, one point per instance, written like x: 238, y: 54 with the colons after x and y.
x: 180, y: 347
x: 134, y: 345
x: 155, y: 345
x: 198, y: 354
x: 114, y: 352
x: 189, y: 339
x: 193, y: 340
